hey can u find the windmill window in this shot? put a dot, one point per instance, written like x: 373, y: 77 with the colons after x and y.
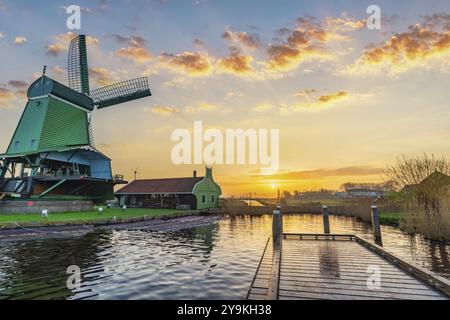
x: 203, y: 198
x: 16, y: 145
x: 33, y: 143
x: 212, y: 198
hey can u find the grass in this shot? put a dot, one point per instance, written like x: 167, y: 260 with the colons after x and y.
x: 391, y: 218
x: 87, y: 216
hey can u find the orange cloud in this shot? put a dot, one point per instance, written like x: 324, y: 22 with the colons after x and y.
x: 190, y: 63
x: 131, y: 41
x: 61, y: 43
x: 325, y: 173
x: 407, y: 50
x: 136, y: 49
x: 136, y: 54
x: 163, y: 110
x: 285, y: 57
x: 304, y: 43
x: 310, y: 100
x: 344, y: 24
x: 236, y: 63
x: 102, y: 76
x: 248, y: 40
x: 332, y: 97
x: 6, y: 97
x: 304, y: 93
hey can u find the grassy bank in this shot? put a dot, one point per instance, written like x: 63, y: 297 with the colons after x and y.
x: 391, y: 218
x: 92, y: 216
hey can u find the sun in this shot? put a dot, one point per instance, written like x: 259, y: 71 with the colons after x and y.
x: 274, y: 186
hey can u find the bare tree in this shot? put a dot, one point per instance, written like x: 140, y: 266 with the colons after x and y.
x: 412, y: 170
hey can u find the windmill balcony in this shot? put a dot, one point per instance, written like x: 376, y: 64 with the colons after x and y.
x: 118, y: 178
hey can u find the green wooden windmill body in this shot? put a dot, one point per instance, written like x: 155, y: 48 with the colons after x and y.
x: 52, y: 154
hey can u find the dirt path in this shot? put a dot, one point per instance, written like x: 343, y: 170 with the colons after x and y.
x: 162, y: 225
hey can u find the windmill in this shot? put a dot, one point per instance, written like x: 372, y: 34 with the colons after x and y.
x: 52, y: 155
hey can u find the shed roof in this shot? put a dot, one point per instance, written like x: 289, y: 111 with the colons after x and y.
x: 170, y: 185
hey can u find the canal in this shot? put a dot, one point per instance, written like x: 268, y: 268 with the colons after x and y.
x: 215, y: 261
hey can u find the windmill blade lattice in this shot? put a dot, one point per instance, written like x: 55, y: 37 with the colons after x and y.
x: 121, y: 92
x: 77, y: 67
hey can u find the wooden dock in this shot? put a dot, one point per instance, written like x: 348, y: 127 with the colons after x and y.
x: 339, y: 267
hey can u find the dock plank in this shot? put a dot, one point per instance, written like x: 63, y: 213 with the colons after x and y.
x: 323, y: 268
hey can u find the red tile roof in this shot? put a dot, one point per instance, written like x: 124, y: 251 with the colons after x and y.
x: 171, y: 185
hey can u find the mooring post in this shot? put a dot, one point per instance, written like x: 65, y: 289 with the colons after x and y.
x: 326, y: 220
x: 277, y: 224
x: 376, y: 226
x: 277, y: 234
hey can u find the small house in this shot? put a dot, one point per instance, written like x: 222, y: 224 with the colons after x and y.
x: 175, y: 193
x: 363, y: 193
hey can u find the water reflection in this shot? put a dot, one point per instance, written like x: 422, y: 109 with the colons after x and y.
x: 329, y: 261
x: 216, y: 261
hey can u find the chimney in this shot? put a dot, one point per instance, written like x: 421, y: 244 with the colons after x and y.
x: 195, y: 174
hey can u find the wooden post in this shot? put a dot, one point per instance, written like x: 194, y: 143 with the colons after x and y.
x: 376, y: 226
x: 326, y: 220
x: 277, y: 231
x: 277, y: 225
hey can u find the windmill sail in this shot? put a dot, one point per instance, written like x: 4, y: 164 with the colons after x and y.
x: 78, y: 65
x: 121, y: 92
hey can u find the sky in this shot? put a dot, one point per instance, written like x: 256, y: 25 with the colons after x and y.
x: 347, y: 100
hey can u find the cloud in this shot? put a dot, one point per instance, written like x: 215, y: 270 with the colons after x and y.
x: 163, y: 110
x: 58, y: 73
x: 263, y: 107
x: 247, y: 40
x: 429, y: 41
x: 437, y: 20
x: 284, y: 57
x: 2, y: 35
x: 18, y: 84
x: 203, y: 106
x: 198, y: 43
x: 61, y: 43
x: 6, y: 97
x: 309, y: 40
x: 102, y: 76
x: 136, y: 49
x: 82, y: 9
x: 19, y: 40
x: 236, y: 63
x: 132, y: 41
x: 102, y: 5
x: 332, y: 97
x: 190, y: 63
x: 344, y: 24
x: 136, y: 54
x: 325, y: 173
x: 207, y: 106
x: 304, y: 93
x: 311, y: 99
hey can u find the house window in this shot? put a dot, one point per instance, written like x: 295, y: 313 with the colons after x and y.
x: 203, y: 199
x: 213, y: 199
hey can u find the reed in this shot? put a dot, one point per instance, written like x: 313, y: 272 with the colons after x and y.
x: 432, y: 222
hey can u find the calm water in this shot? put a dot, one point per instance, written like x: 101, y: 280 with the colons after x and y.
x: 211, y: 262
